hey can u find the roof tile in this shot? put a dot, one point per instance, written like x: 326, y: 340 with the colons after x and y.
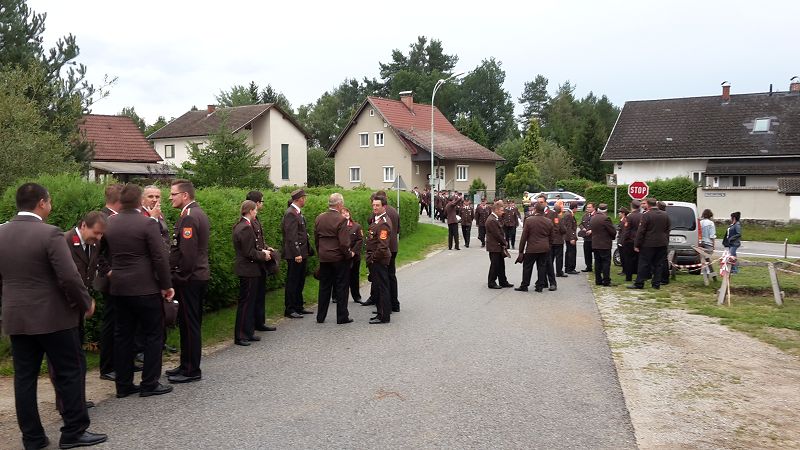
x: 117, y: 138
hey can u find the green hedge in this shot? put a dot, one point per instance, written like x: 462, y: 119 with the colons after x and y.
x: 73, y: 197
x: 679, y: 189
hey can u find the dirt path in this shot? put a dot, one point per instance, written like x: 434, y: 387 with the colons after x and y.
x: 690, y: 382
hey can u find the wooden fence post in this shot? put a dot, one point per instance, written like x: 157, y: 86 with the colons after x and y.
x: 776, y: 290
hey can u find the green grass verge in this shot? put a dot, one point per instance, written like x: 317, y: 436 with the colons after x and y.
x: 752, y: 232
x: 218, y: 325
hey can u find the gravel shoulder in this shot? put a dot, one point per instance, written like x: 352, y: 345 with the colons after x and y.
x: 690, y: 382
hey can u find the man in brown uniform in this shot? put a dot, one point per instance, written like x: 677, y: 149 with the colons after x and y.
x: 101, y: 284
x: 467, y: 214
x: 585, y: 231
x: 356, y: 246
x: 259, y: 308
x: 557, y: 242
x: 333, y: 247
x: 394, y: 222
x: 140, y: 281
x: 296, y: 252
x: 497, y: 247
x: 188, y: 259
x: 651, y: 242
x: 44, y: 299
x: 630, y: 258
x: 247, y: 265
x: 570, y: 239
x: 378, y: 258
x: 451, y: 211
x: 534, y: 248
x: 482, y: 212
x: 603, y: 234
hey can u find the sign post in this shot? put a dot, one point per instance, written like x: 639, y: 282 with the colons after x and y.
x: 638, y: 190
x: 611, y: 181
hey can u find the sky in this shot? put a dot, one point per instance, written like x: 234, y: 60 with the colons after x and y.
x: 171, y: 55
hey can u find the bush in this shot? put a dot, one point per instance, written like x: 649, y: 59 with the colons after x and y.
x: 679, y: 189
x: 576, y: 185
x: 477, y: 185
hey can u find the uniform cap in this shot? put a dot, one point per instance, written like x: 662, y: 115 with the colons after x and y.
x: 297, y: 194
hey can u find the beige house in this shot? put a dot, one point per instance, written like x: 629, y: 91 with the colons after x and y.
x: 390, y: 138
x: 269, y: 130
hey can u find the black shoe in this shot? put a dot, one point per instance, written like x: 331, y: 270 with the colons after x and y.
x: 160, y: 389
x: 552, y: 288
x: 44, y: 443
x: 87, y: 439
x: 538, y: 289
x: 89, y: 404
x: 655, y: 286
x: 521, y: 289
x: 305, y: 311
x: 368, y: 303
x: 346, y: 321
x: 173, y: 372
x: 377, y: 320
x: 458, y: 248
x: 561, y: 275
x: 357, y: 300
x: 137, y: 368
x: 608, y: 284
x: 253, y: 338
x: 494, y: 286
x: 466, y: 246
x: 396, y: 309
x: 110, y: 376
x: 265, y: 328
x: 180, y: 378
x: 586, y: 270
x: 293, y: 315
x: 333, y: 300
x: 170, y: 348
x: 242, y: 342
x: 133, y: 389
x: 507, y: 285
x: 573, y: 272
x: 139, y: 358
x: 633, y: 286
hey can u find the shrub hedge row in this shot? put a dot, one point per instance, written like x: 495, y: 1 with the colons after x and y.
x: 675, y: 189
x: 73, y: 197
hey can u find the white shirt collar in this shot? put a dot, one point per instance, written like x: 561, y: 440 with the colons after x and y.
x: 247, y: 219
x: 379, y: 216
x: 110, y: 209
x: 28, y: 213
x: 296, y: 207
x: 78, y: 232
x: 495, y: 215
x: 187, y: 205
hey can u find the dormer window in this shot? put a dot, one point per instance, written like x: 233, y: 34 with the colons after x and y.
x: 761, y: 125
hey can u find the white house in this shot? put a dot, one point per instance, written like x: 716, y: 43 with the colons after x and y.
x: 269, y: 130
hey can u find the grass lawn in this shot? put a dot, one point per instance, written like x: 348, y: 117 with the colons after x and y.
x: 751, y: 232
x: 752, y: 309
x: 218, y: 325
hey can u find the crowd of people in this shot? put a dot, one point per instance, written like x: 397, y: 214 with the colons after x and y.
x: 143, y: 270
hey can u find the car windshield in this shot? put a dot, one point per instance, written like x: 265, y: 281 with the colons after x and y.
x: 681, y: 218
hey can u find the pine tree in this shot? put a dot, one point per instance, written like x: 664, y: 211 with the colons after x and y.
x: 532, y: 143
x: 534, y: 100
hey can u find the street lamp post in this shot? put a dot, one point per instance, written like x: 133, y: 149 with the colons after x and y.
x: 433, y: 97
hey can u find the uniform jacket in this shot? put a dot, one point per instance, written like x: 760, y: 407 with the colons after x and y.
x: 481, y: 214
x: 603, y: 231
x: 495, y: 238
x: 87, y: 266
x: 622, y: 230
x: 103, y: 264
x: 653, y: 229
x: 394, y: 221
x: 162, y: 226
x: 585, y: 226
x: 139, y: 261
x: 451, y: 210
x: 571, y: 226
x: 189, y: 254
x: 356, y: 238
x: 511, y: 217
x: 467, y: 214
x: 536, y: 234
x: 42, y: 289
x: 559, y: 230
x: 331, y: 238
x: 378, y: 237
x: 632, y: 226
x: 249, y: 259
x: 295, y: 236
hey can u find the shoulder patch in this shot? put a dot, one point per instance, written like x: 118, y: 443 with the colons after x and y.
x: 384, y: 234
x: 187, y: 233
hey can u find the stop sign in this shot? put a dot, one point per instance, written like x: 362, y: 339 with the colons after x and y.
x: 638, y: 190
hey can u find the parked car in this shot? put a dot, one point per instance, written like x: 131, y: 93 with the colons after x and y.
x: 565, y: 196
x: 684, y: 231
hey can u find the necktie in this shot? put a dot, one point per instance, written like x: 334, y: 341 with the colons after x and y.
x: 88, y: 251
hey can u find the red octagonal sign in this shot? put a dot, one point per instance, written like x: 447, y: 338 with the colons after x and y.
x: 638, y: 190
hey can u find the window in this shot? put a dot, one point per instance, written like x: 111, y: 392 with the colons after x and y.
x: 364, y: 139
x: 417, y: 169
x: 169, y: 151
x: 462, y: 173
x: 739, y: 180
x: 379, y: 139
x: 388, y: 174
x: 355, y: 174
x: 699, y: 178
x: 761, y: 125
x: 285, y: 161
x: 371, y: 112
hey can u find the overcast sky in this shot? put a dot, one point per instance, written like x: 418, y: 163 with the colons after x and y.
x: 170, y: 55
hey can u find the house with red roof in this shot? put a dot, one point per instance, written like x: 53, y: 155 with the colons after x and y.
x: 386, y: 139
x: 120, y: 149
x: 270, y: 131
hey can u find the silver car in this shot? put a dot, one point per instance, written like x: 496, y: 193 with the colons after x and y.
x: 684, y: 231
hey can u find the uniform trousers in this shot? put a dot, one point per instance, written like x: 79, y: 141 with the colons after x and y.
x: 482, y: 235
x: 651, y: 265
x: 63, y: 350
x: 259, y: 307
x: 497, y: 269
x: 354, y: 278
x: 295, y: 281
x: 542, y: 261
x: 557, y: 255
x: 144, y: 311
x: 511, y: 235
x: 466, y: 230
x: 51, y: 370
x: 424, y: 207
x: 245, y: 318
x: 379, y: 273
x: 452, y: 235
x: 587, y: 253
x: 190, y: 309
x: 393, y: 292
x: 630, y: 260
x: 602, y: 266
x: 551, y: 273
x: 570, y: 256
x: 333, y: 282
x: 107, y: 335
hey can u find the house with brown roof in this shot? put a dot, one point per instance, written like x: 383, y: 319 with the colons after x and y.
x: 272, y: 132
x: 120, y: 149
x: 742, y: 150
x: 386, y: 139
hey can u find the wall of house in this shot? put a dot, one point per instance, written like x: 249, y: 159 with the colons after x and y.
x: 181, y: 149
x: 764, y: 204
x: 282, y: 131
x: 750, y: 181
x: 631, y: 171
x: 372, y: 159
x: 794, y: 206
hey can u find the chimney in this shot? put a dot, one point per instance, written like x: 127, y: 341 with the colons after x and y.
x: 407, y: 97
x: 211, y: 108
x: 726, y: 91
x: 794, y: 84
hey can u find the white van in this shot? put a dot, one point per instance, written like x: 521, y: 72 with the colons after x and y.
x: 685, y: 231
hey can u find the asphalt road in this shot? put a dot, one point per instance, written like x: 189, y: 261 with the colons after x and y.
x: 461, y: 366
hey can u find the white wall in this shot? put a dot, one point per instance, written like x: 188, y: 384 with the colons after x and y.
x: 282, y: 131
x: 766, y: 204
x: 794, y: 206
x: 631, y: 171
x: 181, y: 148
